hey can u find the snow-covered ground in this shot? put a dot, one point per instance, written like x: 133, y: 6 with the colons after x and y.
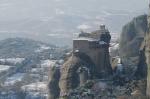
x: 4, y: 68
x: 35, y: 86
x: 42, y: 48
x: 14, y: 78
x: 35, y: 89
x: 13, y: 60
x: 47, y: 63
x: 36, y: 70
x: 114, y: 46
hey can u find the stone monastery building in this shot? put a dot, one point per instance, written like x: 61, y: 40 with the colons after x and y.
x: 96, y: 46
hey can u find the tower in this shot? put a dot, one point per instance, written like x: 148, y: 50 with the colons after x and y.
x: 102, y: 27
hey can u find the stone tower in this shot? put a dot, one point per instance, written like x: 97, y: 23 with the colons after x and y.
x: 102, y: 27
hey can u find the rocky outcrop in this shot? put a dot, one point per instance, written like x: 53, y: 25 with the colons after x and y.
x: 75, y: 72
x: 83, y: 65
x: 147, y: 54
x: 52, y: 86
x: 132, y: 36
x: 144, y: 64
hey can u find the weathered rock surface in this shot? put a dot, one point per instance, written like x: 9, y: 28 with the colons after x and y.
x: 144, y: 64
x: 53, y: 87
x: 147, y: 54
x: 132, y: 36
x: 75, y: 72
x: 81, y: 66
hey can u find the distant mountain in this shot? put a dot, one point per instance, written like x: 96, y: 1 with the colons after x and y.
x: 58, y: 21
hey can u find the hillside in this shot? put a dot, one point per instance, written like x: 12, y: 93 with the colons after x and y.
x: 21, y: 47
x: 24, y: 65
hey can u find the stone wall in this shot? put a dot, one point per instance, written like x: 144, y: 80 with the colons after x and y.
x: 96, y: 54
x: 99, y: 53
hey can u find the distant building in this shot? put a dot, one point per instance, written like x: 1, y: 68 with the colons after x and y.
x: 95, y: 45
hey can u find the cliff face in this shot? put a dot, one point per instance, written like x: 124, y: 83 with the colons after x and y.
x: 147, y: 54
x: 132, y: 36
x: 74, y: 73
x: 144, y: 63
x: 52, y: 86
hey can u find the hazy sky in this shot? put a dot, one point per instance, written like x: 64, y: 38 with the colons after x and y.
x: 35, y: 8
x: 36, y: 19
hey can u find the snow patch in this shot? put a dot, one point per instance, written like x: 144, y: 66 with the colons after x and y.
x: 48, y: 63
x: 35, y: 86
x: 4, y: 68
x: 42, y: 48
x: 14, y: 78
x: 102, y: 42
x: 13, y: 60
x: 35, y: 89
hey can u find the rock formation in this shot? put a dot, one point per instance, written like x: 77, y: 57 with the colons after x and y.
x: 75, y: 71
x: 82, y: 65
x: 71, y: 77
x: 132, y: 36
x: 53, y: 80
x: 84, y: 75
x: 144, y: 63
x: 147, y: 54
